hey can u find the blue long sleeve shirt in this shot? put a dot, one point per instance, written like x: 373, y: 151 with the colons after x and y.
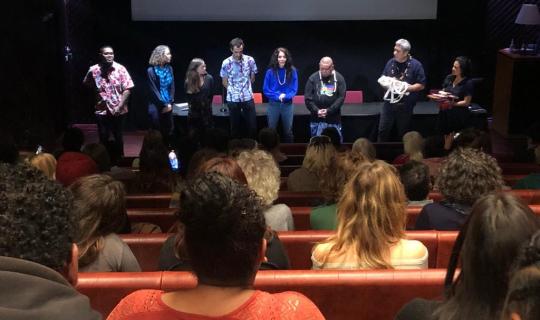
x: 272, y: 87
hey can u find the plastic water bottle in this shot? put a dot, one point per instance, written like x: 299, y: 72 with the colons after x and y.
x: 173, y: 160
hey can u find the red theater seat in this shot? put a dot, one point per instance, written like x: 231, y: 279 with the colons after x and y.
x: 353, y: 97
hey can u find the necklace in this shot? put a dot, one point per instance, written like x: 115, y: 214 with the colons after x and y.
x: 395, y: 69
x: 335, y: 81
x: 284, y: 78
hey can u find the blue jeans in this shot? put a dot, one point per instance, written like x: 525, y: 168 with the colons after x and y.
x: 317, y: 128
x: 243, y: 112
x: 108, y: 124
x: 285, y: 110
x: 398, y: 113
x: 161, y: 121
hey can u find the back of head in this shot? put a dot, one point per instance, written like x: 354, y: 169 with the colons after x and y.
x: 224, y: 165
x: 413, y: 145
x: 99, y: 154
x: 223, y: 230
x: 498, y: 225
x: 99, y: 205
x: 319, y: 154
x: 36, y: 220
x: 415, y: 178
x: 268, y: 139
x: 371, y: 213
x: 73, y: 165
x: 262, y: 174
x: 364, y: 147
x: 198, y: 159
x: 46, y: 163
x: 333, y: 133
x: 523, y: 297
x: 333, y: 178
x: 154, y: 154
x: 467, y: 175
x: 473, y: 138
x: 73, y: 139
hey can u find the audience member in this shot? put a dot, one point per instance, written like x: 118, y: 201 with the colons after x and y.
x: 269, y: 141
x: 498, y: 225
x: 364, y: 147
x: 414, y: 176
x: 44, y: 162
x: 38, y: 254
x: 224, y: 238
x: 72, y: 163
x: 413, y: 147
x: 465, y: 176
x: 371, y: 221
x: 333, y: 181
x: 319, y: 155
x: 263, y: 177
x: 99, y: 206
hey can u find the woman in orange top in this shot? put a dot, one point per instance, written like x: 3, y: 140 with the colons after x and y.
x: 224, y: 237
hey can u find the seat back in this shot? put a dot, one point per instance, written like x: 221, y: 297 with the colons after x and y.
x: 257, y: 98
x: 298, y: 100
x: 352, y: 97
x: 217, y: 99
x: 369, y: 294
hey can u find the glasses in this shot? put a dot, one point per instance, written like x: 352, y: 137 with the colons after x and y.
x: 319, y: 140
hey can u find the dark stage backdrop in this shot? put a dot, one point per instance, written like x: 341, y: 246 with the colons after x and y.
x: 359, y: 48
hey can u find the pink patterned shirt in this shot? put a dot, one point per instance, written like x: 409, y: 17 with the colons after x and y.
x: 110, y: 88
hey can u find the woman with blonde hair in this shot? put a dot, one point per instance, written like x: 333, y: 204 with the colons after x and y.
x: 364, y: 147
x: 319, y: 155
x: 263, y: 176
x: 371, y: 221
x: 413, y: 148
x: 161, y: 97
x: 46, y: 163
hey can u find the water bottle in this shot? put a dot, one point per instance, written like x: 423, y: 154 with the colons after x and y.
x: 173, y: 160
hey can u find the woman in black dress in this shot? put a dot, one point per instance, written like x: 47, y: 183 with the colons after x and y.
x: 199, y: 89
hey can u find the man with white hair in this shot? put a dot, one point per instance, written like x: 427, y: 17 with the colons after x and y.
x: 405, y: 78
x: 324, y: 95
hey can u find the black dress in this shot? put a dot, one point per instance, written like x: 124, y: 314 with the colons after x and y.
x: 199, y: 117
x: 457, y: 118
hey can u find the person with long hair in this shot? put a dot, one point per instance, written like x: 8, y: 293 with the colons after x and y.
x: 365, y: 148
x: 487, y: 245
x: 99, y: 205
x: 466, y: 175
x: 199, y: 87
x: 455, y: 98
x: 319, y: 154
x: 280, y: 86
x: 161, y: 98
x: 223, y: 234
x: 46, y: 163
x: 413, y: 148
x: 371, y: 220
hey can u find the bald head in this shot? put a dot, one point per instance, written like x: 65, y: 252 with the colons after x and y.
x: 326, y: 66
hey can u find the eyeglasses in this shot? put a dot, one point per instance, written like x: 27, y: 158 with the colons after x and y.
x: 319, y: 140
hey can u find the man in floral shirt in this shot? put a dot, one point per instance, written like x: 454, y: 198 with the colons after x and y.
x: 112, y: 84
x: 238, y: 73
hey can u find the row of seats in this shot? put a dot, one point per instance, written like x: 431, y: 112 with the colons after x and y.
x: 339, y: 294
x: 298, y: 244
x: 296, y: 199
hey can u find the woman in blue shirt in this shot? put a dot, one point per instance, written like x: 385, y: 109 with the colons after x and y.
x: 161, y: 95
x: 280, y: 86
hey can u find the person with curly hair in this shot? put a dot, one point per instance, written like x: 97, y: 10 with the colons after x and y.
x: 161, y: 94
x: 99, y: 206
x: 263, y: 177
x: 38, y: 254
x: 332, y: 182
x: 465, y: 176
x: 319, y: 155
x: 371, y: 220
x: 485, y: 251
x: 224, y: 237
x: 276, y: 256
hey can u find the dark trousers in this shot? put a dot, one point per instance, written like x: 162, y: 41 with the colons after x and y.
x: 108, y: 125
x: 242, y: 114
x: 454, y: 120
x: 398, y: 113
x: 161, y: 121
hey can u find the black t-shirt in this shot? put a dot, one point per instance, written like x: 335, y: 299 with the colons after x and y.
x: 200, y: 103
x: 442, y: 216
x: 461, y: 90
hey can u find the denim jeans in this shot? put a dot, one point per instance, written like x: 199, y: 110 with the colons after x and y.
x: 398, y: 113
x: 317, y: 128
x: 108, y: 124
x: 161, y: 121
x: 286, y: 111
x: 243, y: 113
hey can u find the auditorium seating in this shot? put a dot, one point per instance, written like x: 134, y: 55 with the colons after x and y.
x: 369, y: 294
x: 146, y: 247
